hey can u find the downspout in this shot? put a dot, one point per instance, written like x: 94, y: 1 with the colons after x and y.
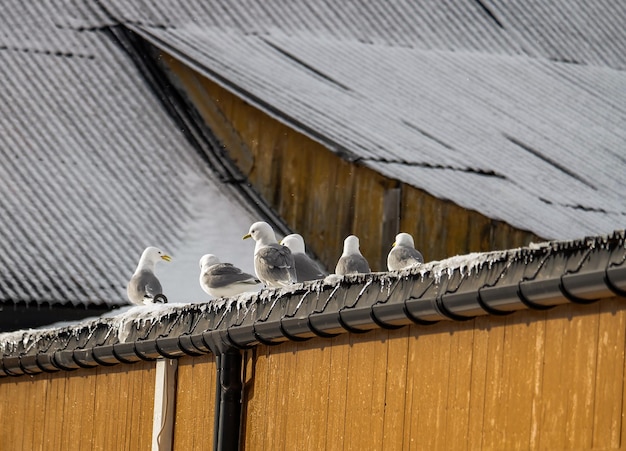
x: 228, y: 398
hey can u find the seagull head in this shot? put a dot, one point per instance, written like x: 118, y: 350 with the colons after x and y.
x: 294, y: 242
x: 404, y: 239
x: 351, y: 245
x: 261, y: 232
x: 208, y: 260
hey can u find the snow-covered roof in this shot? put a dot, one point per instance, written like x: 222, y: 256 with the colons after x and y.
x: 511, y: 109
x: 93, y: 169
x: 540, y: 276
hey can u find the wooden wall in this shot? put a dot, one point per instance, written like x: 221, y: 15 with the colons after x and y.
x: 532, y: 380
x: 326, y: 198
x: 105, y: 408
x: 195, y: 403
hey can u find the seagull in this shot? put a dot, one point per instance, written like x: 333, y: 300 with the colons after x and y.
x: 351, y: 261
x: 273, y: 264
x: 306, y: 268
x: 144, y: 287
x: 403, y: 253
x: 223, y: 279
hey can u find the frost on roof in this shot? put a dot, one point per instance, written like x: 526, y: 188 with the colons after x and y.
x: 492, y: 109
x: 94, y: 169
x: 527, y: 117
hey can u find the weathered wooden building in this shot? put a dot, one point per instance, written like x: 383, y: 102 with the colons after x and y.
x: 475, y: 126
x: 522, y: 349
x: 343, y: 124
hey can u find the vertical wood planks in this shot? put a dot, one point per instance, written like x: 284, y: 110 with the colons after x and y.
x: 337, y: 393
x: 608, y: 406
x: 531, y: 380
x: 365, y: 393
x: 195, y: 403
x: 256, y: 405
x: 395, y: 389
x: 478, y: 382
x: 459, y: 384
x: 428, y: 377
x: 521, y: 376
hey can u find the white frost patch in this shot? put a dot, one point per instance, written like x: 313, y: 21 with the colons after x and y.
x: 465, y: 264
x: 333, y: 279
x: 27, y: 338
x: 139, y: 316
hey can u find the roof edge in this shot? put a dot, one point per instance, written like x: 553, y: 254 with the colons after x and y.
x: 460, y: 288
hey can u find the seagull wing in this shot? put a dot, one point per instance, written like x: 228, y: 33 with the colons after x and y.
x: 274, y: 265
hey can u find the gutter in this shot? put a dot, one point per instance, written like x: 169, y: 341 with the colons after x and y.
x: 535, y: 278
x: 499, y: 283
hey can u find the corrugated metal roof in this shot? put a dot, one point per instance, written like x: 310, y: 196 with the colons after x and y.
x: 460, y: 288
x: 540, y: 138
x: 475, y: 102
x: 92, y: 167
x: 574, y: 31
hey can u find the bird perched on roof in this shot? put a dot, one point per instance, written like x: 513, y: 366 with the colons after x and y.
x: 144, y: 287
x: 273, y: 264
x: 403, y: 253
x: 351, y: 261
x: 306, y: 268
x: 224, y: 279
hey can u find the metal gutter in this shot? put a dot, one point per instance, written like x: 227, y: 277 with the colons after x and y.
x: 539, y: 277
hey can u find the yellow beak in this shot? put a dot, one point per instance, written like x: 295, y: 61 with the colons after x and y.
x: 167, y: 258
x: 394, y: 244
x: 245, y: 237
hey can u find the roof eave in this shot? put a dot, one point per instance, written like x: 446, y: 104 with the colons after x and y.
x: 500, y: 283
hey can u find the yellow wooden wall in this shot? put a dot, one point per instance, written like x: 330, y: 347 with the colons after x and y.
x: 326, y: 198
x: 195, y: 403
x: 105, y: 408
x: 532, y: 380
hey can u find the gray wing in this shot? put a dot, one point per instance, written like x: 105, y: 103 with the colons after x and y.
x: 402, y: 257
x: 307, y: 269
x: 143, y: 284
x: 352, y: 264
x: 274, y: 265
x: 224, y: 274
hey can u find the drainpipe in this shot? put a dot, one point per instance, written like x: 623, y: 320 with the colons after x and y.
x: 229, y: 388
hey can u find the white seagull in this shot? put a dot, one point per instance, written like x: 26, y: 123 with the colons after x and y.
x: 273, y: 264
x: 223, y: 279
x: 351, y: 261
x: 144, y: 287
x: 403, y: 253
x: 306, y: 267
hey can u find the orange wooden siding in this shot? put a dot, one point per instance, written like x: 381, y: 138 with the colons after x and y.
x: 106, y: 408
x: 195, y: 403
x: 326, y: 198
x: 531, y: 380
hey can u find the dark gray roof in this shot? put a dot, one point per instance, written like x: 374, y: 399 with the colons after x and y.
x: 511, y: 109
x: 497, y: 283
x: 93, y: 168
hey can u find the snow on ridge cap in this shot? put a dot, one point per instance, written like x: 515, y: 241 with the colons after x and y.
x: 465, y: 264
